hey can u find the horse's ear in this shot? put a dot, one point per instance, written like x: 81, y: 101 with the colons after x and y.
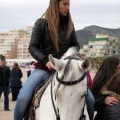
x: 85, y: 64
x: 57, y: 64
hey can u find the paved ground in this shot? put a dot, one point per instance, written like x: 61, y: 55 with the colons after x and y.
x: 8, y: 115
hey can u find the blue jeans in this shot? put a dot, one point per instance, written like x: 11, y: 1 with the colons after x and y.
x: 26, y: 93
x: 5, y: 89
x: 90, y: 100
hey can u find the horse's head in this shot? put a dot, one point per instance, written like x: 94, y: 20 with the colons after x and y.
x: 70, y: 83
x: 70, y: 62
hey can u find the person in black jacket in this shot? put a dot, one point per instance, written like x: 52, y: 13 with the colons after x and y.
x: 112, y: 88
x: 105, y: 72
x: 5, y: 75
x: 54, y: 34
x: 16, y: 83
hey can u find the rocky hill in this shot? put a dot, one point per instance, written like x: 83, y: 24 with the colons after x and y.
x: 90, y: 32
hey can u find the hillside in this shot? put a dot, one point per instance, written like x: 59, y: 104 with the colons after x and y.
x: 90, y: 32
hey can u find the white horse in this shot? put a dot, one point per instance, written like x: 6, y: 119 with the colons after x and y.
x: 64, y: 98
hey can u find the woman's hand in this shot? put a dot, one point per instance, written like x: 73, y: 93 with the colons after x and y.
x: 111, y: 100
x: 49, y: 65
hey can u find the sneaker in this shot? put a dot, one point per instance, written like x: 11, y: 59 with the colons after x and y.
x: 7, y: 109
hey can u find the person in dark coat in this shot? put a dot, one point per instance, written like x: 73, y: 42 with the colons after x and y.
x: 105, y: 72
x: 16, y: 82
x: 112, y: 88
x: 5, y: 75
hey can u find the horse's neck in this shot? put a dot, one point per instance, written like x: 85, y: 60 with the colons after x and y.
x: 69, y: 99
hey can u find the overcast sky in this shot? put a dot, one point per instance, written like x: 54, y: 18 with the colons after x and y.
x: 18, y: 14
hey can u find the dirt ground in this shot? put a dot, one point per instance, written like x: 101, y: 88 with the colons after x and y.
x: 8, y: 115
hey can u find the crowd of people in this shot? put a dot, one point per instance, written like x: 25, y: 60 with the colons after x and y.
x: 54, y: 34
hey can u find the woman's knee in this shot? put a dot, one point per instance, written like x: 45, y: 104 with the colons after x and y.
x: 37, y: 75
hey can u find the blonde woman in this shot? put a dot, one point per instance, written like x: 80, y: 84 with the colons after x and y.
x: 53, y: 33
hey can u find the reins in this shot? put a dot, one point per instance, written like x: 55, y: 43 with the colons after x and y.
x: 55, y: 110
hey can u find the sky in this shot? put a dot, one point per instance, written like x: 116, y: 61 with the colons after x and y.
x: 18, y: 14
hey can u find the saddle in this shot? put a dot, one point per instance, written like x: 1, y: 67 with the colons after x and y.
x: 37, y: 97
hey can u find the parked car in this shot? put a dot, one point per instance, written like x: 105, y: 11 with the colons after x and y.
x: 23, y: 64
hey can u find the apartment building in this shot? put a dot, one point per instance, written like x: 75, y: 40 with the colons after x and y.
x: 9, y: 43
x: 101, y: 45
x: 14, y: 44
x: 23, y: 43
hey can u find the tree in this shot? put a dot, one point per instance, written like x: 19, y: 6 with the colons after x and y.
x: 96, y: 61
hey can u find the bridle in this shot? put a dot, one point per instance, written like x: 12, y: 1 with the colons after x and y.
x: 61, y: 81
x: 70, y: 82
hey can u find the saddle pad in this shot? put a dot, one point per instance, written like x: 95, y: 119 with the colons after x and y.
x: 39, y: 92
x: 37, y: 97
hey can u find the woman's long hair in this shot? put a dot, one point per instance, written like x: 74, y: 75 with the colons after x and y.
x: 15, y: 66
x: 113, y: 84
x: 52, y: 16
x: 105, y: 72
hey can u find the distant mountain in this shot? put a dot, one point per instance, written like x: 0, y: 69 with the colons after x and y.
x: 90, y: 32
